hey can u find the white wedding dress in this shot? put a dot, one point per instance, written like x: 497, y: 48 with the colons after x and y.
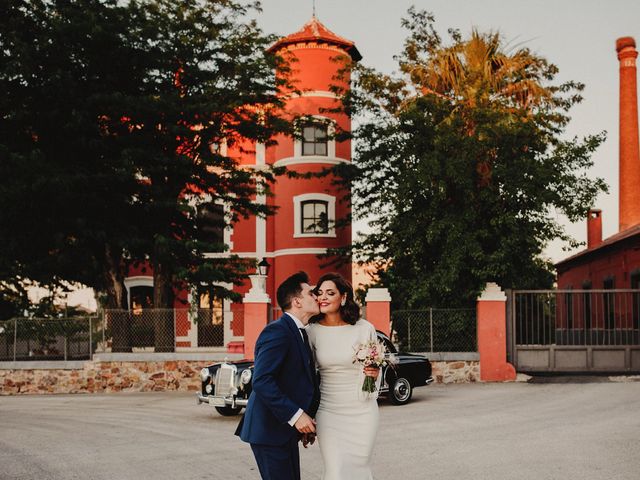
x: 347, y: 421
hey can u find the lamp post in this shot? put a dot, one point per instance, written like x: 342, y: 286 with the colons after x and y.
x: 259, y: 279
x: 263, y: 267
x: 256, y: 307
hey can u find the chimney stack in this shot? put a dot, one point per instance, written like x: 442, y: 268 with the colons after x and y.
x: 629, y: 201
x: 594, y: 228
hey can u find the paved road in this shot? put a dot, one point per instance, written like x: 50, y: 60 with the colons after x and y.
x: 476, y: 431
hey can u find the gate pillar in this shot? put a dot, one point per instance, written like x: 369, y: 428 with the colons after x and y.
x: 256, y: 313
x: 492, y: 335
x: 378, y: 303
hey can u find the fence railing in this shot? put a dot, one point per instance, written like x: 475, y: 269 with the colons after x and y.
x: 436, y: 329
x: 576, y: 317
x: 78, y: 338
x: 29, y: 339
x: 159, y: 330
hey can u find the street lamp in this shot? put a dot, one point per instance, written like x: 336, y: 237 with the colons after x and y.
x: 263, y: 267
x: 258, y: 291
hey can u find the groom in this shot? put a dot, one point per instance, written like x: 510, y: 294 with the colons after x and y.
x: 285, y: 395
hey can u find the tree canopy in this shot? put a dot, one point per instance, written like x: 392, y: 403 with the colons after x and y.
x: 114, y: 118
x: 461, y: 166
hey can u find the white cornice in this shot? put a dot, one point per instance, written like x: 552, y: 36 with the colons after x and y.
x: 299, y: 251
x: 492, y: 293
x: 378, y: 295
x: 315, y: 93
x: 277, y: 253
x: 309, y: 159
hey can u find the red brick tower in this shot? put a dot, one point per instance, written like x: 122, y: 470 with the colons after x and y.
x: 305, y: 225
x: 629, y: 202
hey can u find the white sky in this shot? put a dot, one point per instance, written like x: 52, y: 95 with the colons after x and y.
x: 578, y: 36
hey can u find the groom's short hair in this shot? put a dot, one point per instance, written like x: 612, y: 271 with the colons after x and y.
x: 290, y: 288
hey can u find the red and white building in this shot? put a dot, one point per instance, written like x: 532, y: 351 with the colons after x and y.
x: 304, y: 226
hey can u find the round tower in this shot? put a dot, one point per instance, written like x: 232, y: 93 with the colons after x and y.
x: 311, y: 212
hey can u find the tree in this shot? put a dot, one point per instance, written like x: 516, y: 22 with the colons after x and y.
x: 111, y: 113
x: 460, y: 163
x: 64, y: 66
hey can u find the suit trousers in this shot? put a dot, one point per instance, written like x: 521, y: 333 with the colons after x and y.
x: 278, y: 462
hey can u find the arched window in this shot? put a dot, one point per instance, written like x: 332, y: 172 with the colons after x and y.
x: 140, y: 297
x: 314, y: 215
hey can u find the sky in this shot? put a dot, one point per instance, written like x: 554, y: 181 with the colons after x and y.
x: 578, y: 36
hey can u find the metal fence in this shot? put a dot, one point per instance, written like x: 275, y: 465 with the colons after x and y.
x: 146, y: 330
x: 435, y: 329
x: 576, y: 317
x: 158, y: 330
x: 27, y: 339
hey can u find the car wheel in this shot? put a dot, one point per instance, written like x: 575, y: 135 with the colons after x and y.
x: 401, y: 391
x: 228, y: 411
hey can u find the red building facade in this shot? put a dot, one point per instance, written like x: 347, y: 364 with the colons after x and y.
x: 614, y: 263
x: 305, y: 225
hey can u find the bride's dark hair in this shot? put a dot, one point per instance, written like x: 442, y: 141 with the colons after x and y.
x: 350, y: 311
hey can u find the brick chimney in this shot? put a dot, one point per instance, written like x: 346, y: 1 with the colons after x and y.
x: 629, y: 201
x: 594, y: 228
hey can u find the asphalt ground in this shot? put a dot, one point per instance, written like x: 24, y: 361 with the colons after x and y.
x: 472, y: 431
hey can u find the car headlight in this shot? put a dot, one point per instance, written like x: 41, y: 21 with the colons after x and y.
x: 204, y: 374
x: 245, y: 376
x: 208, y: 388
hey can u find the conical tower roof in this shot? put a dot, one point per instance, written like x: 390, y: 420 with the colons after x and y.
x: 315, y: 31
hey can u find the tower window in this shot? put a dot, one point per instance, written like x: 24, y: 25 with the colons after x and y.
x: 314, y: 218
x: 314, y: 140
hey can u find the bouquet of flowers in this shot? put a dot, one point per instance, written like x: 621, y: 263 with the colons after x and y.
x: 370, y: 354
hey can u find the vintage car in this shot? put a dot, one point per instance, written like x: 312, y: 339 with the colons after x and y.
x: 227, y: 385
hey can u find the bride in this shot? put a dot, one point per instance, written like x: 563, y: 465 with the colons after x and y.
x: 347, y: 422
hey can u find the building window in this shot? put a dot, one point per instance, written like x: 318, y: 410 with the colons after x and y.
x: 635, y: 284
x: 569, y: 308
x: 211, y: 223
x: 609, y: 304
x: 141, y: 298
x: 314, y: 216
x: 210, y: 320
x: 315, y: 140
x: 139, y: 293
x: 586, y: 304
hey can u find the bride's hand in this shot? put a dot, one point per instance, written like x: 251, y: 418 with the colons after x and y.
x: 372, y: 371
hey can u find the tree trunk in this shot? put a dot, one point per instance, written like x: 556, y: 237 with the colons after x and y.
x: 164, y: 326
x: 117, y: 315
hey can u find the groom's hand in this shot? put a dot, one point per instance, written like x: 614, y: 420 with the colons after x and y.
x: 305, y: 424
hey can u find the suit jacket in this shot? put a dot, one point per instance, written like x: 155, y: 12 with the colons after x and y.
x: 284, y: 380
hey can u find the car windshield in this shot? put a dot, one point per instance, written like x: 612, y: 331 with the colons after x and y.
x: 387, y: 343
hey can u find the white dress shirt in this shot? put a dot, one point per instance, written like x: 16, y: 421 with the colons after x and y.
x: 299, y: 324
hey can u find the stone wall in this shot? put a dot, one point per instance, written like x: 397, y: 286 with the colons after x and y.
x: 105, y: 377
x: 149, y: 376
x: 456, y: 371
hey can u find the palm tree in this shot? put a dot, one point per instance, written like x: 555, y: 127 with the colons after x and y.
x: 479, y: 71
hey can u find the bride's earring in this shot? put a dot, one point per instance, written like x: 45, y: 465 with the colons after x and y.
x: 344, y: 301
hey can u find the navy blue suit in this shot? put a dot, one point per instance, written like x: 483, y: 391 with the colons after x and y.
x: 284, y: 380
